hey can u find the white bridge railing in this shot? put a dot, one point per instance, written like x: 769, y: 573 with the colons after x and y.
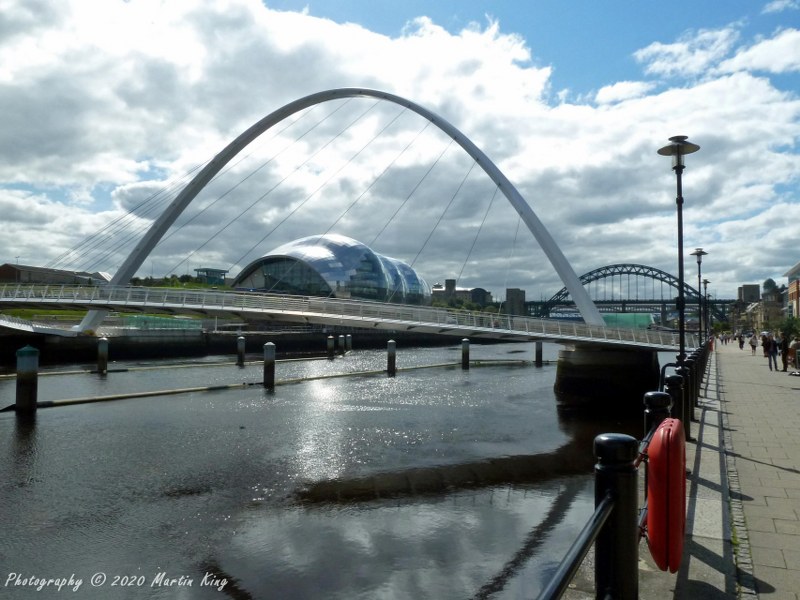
x: 346, y: 312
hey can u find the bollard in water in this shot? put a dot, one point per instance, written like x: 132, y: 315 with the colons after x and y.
x: 27, y: 379
x: 240, y: 346
x: 538, y: 360
x: 391, y: 355
x: 341, y: 345
x: 616, y: 572
x: 673, y: 385
x: 330, y: 347
x: 465, y: 354
x: 269, y: 366
x: 348, y: 342
x: 102, y: 355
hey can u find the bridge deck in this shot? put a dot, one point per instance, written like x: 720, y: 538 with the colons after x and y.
x: 334, y: 311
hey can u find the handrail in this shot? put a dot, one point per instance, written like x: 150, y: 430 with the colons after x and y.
x: 349, y: 310
x: 577, y: 552
x: 611, y: 490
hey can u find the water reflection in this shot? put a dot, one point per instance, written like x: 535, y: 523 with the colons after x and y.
x: 437, y: 483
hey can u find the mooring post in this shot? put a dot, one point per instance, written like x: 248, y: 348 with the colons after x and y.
x: 342, y: 349
x: 27, y: 379
x: 616, y: 572
x: 102, y: 356
x: 538, y: 360
x: 656, y: 408
x: 269, y: 366
x: 688, y: 403
x: 465, y: 354
x: 691, y: 373
x: 348, y: 342
x: 391, y: 356
x: 240, y: 346
x: 673, y: 385
x: 330, y: 347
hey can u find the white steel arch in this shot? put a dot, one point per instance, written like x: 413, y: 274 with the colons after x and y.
x: 580, y: 296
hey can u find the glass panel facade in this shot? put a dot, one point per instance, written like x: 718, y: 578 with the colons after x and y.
x: 334, y: 265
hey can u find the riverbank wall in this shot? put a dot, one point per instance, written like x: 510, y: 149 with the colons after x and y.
x: 155, y: 344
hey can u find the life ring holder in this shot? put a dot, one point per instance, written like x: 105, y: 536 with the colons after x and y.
x: 666, y: 494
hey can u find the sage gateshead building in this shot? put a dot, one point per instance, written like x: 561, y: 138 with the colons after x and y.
x: 336, y: 266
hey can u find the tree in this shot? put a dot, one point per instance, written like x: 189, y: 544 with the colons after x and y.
x: 769, y: 285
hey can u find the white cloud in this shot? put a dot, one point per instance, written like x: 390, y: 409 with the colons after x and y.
x: 777, y: 6
x: 104, y: 103
x: 779, y: 54
x: 623, y: 90
x: 693, y: 54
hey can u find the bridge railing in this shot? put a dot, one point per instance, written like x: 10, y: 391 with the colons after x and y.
x: 346, y: 310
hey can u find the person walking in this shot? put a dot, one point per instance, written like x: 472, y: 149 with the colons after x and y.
x: 753, y: 343
x: 784, y: 345
x: 771, y: 348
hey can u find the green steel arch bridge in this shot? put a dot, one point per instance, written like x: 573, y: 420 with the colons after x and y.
x: 631, y: 288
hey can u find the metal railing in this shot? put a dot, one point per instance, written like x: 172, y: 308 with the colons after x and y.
x: 348, y: 312
x: 617, y: 524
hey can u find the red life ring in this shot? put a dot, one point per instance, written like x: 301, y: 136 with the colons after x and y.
x: 666, y: 495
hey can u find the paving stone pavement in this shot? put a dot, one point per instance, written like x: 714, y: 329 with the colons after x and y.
x: 761, y: 420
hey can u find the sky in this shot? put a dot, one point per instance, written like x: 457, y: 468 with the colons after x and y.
x: 109, y: 108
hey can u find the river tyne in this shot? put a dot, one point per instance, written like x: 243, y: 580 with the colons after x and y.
x: 437, y: 483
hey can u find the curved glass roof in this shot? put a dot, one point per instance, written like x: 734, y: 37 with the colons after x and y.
x: 334, y: 265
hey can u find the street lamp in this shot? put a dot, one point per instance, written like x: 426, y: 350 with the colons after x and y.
x: 708, y: 312
x: 699, y: 253
x: 677, y: 150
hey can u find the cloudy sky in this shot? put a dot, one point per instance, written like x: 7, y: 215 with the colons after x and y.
x: 109, y: 108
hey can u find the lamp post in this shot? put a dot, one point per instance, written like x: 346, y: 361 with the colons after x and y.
x: 699, y: 253
x: 708, y: 312
x: 677, y: 150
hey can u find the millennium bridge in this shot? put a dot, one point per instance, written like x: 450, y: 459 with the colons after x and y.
x: 324, y: 311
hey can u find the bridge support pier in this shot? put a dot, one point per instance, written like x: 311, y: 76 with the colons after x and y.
x: 604, y: 380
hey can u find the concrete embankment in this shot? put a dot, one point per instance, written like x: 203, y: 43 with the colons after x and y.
x: 187, y: 343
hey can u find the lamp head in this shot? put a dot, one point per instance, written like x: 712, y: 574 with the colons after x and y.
x: 678, y: 149
x: 699, y: 253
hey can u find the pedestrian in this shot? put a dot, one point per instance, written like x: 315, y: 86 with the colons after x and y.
x: 785, y: 351
x: 753, y: 343
x: 741, y: 341
x: 771, y: 348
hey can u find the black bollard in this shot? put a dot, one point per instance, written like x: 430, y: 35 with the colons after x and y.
x: 102, y: 355
x: 656, y: 408
x: 616, y: 572
x: 538, y: 357
x: 269, y: 366
x: 348, y: 342
x: 27, y: 379
x: 341, y: 345
x: 465, y: 354
x: 688, y: 402
x: 690, y: 386
x: 331, y: 345
x: 391, y: 356
x: 673, y: 385
x: 240, y: 346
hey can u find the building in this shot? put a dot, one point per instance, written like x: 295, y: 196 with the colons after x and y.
x: 750, y: 292
x: 336, y: 266
x: 515, y: 301
x: 449, y: 291
x: 211, y: 276
x: 793, y: 291
x: 14, y: 273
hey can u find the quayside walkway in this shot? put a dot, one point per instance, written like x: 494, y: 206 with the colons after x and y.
x: 743, y: 487
x: 761, y: 417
